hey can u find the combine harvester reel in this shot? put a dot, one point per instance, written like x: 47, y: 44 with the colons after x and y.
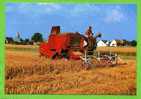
x: 105, y: 59
x: 100, y: 59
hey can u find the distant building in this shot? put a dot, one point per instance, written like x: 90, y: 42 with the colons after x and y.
x: 115, y: 43
x: 102, y: 43
x: 17, y: 38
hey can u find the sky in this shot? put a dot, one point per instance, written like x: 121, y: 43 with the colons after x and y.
x: 114, y: 21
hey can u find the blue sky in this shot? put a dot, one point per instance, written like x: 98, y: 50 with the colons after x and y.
x: 114, y: 21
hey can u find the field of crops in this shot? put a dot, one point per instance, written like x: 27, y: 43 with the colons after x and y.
x: 27, y: 73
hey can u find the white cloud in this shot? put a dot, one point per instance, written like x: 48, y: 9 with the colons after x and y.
x: 50, y: 8
x: 84, y: 8
x: 34, y: 8
x: 114, y: 15
x: 106, y: 13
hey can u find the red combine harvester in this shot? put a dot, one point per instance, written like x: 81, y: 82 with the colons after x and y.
x: 75, y: 46
x: 67, y: 45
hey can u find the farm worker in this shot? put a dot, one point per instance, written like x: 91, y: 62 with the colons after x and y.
x: 91, y: 39
x: 88, y: 32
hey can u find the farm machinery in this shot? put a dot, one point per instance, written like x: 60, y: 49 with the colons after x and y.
x: 69, y: 45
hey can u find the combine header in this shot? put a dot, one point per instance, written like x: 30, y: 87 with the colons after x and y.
x: 71, y: 45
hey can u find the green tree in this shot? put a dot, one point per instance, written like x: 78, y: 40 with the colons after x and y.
x: 125, y: 42
x: 37, y: 37
x: 133, y: 43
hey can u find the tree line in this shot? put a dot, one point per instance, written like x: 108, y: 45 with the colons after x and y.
x: 36, y: 38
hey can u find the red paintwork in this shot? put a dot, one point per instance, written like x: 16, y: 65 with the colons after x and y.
x: 58, y: 42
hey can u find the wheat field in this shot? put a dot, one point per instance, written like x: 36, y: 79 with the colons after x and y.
x: 27, y: 73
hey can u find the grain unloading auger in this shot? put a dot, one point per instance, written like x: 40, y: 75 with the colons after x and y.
x: 75, y: 46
